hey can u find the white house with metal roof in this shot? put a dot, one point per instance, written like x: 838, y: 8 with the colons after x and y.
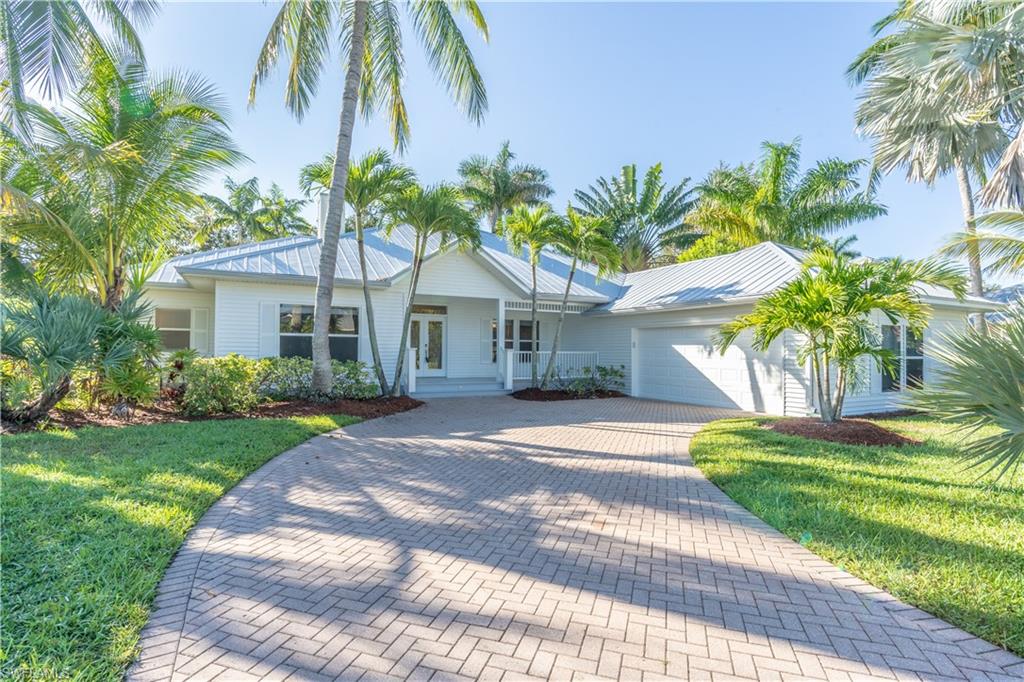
x: 471, y: 327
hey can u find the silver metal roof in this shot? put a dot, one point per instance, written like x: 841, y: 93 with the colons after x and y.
x: 743, y: 275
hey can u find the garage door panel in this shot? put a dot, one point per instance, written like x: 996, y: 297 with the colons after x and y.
x: 681, y: 364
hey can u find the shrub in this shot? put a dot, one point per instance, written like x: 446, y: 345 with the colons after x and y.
x: 598, y: 379
x: 217, y: 385
x: 291, y: 379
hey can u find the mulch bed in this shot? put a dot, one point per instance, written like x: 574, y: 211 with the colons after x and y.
x: 166, y: 412
x: 847, y: 431
x: 542, y: 395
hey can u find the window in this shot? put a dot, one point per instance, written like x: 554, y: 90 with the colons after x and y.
x: 510, y: 338
x: 421, y: 309
x: 526, y: 340
x: 908, y: 348
x: 295, y: 329
x: 174, y: 326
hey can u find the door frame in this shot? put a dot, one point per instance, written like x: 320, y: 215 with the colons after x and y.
x: 424, y: 319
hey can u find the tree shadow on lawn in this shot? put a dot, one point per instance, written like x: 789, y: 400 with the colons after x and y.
x: 349, y: 534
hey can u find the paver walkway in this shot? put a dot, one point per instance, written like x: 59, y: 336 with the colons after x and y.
x: 492, y: 538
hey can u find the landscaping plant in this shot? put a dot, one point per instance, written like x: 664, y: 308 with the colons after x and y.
x: 221, y: 385
x: 496, y: 186
x: 980, y: 389
x: 830, y: 305
x: 291, y: 379
x: 598, y: 380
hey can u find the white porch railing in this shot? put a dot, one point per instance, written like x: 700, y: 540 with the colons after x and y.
x: 569, y: 364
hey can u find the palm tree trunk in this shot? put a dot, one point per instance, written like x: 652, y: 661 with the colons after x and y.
x: 973, y: 254
x: 535, y: 346
x: 558, y: 330
x: 403, y: 346
x: 493, y: 218
x: 323, y: 377
x: 371, y: 325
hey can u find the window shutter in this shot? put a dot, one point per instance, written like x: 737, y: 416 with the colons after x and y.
x: 200, y: 331
x: 486, y: 339
x: 269, y: 328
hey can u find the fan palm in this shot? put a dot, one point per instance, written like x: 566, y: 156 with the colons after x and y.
x: 495, y: 186
x: 829, y: 304
x: 532, y: 228
x: 644, y: 220
x: 246, y: 215
x: 373, y: 180
x: 434, y: 214
x: 981, y: 384
x: 369, y: 34
x: 772, y: 201
x: 934, y: 95
x: 584, y: 239
x: 109, y: 180
x: 43, y: 44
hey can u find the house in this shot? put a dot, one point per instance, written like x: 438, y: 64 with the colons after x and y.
x: 1010, y: 298
x: 471, y: 327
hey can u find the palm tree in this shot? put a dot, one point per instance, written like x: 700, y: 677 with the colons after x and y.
x: 584, y: 239
x: 369, y: 34
x: 772, y: 201
x: 44, y: 45
x: 373, y: 180
x: 248, y: 215
x: 495, y: 186
x: 1002, y: 245
x: 830, y: 303
x: 431, y: 213
x: 532, y: 228
x: 930, y: 118
x: 114, y: 175
x: 646, y: 220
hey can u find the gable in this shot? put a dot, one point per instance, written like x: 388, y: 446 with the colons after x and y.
x: 460, y: 274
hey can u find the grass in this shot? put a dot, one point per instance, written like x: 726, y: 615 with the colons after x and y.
x: 911, y: 521
x: 92, y: 518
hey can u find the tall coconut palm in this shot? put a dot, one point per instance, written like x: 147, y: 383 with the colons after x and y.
x: 112, y: 176
x: 43, y: 45
x: 434, y: 214
x: 532, y: 228
x: 772, y: 201
x: 645, y: 220
x: 1001, y: 244
x: 495, y: 186
x: 369, y: 35
x: 584, y: 239
x: 373, y: 180
x: 246, y: 215
x: 928, y: 117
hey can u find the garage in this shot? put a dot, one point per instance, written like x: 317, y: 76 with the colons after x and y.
x: 681, y: 364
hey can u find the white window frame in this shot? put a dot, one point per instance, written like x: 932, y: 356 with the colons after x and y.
x: 359, y: 316
x: 901, y: 359
x: 192, y: 329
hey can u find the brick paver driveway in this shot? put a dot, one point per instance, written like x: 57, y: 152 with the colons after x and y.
x: 489, y: 537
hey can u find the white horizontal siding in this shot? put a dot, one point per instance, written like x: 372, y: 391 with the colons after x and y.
x: 184, y: 298
x: 458, y: 274
x: 796, y: 386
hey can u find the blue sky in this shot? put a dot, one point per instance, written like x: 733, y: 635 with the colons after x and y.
x: 583, y: 88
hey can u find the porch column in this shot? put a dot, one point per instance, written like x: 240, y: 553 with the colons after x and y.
x: 501, y: 338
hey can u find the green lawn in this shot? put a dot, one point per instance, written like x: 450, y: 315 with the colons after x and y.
x: 91, y: 519
x: 908, y: 520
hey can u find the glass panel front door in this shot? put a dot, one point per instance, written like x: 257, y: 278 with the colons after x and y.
x: 427, y: 338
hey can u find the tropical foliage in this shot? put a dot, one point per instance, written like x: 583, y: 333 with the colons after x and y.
x: 980, y: 385
x: 495, y: 186
x: 373, y: 180
x: 583, y: 239
x: 772, y: 201
x: 369, y: 35
x: 830, y: 305
x: 434, y: 214
x: 42, y: 45
x: 645, y: 219
x: 246, y: 214
x: 1000, y: 244
x: 532, y: 229
x: 108, y: 179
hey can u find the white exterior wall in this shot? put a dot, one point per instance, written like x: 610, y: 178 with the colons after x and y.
x: 458, y: 274
x: 165, y: 297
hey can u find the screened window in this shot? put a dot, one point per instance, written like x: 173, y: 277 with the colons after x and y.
x: 527, y: 342
x: 908, y: 348
x: 422, y: 309
x: 296, y: 332
x: 174, y: 326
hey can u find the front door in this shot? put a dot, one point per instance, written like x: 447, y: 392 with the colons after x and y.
x: 427, y: 339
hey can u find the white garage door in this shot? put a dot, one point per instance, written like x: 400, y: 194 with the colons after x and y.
x: 681, y: 364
